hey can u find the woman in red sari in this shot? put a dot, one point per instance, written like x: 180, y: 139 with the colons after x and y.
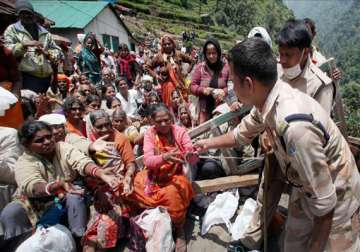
x: 172, y: 59
x: 105, y: 227
x: 163, y: 183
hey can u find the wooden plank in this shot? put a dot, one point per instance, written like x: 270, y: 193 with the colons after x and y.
x: 217, y: 121
x: 354, y: 140
x: 248, y: 166
x: 339, y: 107
x: 229, y: 165
x: 218, y: 184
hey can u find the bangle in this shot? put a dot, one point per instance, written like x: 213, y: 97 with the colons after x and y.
x: 93, y: 171
x: 47, y: 188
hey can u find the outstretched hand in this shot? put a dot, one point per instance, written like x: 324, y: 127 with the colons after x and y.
x: 202, y: 146
x: 109, y: 176
x: 100, y: 145
x: 173, y: 156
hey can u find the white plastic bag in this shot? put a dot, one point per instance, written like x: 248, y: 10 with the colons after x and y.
x: 220, y: 211
x: 156, y: 225
x: 243, y: 219
x: 53, y: 239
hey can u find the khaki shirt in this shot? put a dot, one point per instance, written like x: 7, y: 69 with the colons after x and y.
x: 315, y: 83
x: 31, y: 169
x: 326, y: 175
x: 80, y: 142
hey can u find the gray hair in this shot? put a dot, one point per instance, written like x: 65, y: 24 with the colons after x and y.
x: 97, y: 114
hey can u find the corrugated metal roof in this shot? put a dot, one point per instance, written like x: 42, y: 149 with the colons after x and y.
x: 69, y: 14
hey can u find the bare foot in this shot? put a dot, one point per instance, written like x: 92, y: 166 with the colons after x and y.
x: 180, y: 245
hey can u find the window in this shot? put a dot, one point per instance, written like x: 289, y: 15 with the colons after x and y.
x: 115, y: 43
x: 111, y: 42
x: 106, y: 40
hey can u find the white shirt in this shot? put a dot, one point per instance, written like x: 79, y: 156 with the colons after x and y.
x: 129, y: 105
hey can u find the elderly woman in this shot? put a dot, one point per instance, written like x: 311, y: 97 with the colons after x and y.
x: 171, y: 59
x: 45, y: 173
x: 184, y: 116
x: 107, y: 92
x: 105, y: 221
x: 209, y: 79
x: 163, y: 183
x: 89, y: 58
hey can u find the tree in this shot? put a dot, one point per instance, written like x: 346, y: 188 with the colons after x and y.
x: 184, y: 3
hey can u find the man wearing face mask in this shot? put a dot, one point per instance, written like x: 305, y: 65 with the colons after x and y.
x: 294, y: 42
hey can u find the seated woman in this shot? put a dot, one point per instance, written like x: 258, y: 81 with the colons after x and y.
x: 44, y: 174
x: 113, y: 103
x: 105, y: 224
x: 184, y: 116
x: 92, y: 102
x: 107, y: 92
x: 121, y: 123
x: 176, y: 100
x: 163, y: 183
x: 73, y: 110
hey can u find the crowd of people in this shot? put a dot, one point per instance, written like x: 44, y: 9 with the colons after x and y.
x: 73, y: 123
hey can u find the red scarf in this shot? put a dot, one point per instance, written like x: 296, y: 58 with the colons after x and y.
x: 125, y: 66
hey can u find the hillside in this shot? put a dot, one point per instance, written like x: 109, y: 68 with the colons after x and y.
x: 226, y: 20
x: 339, y: 37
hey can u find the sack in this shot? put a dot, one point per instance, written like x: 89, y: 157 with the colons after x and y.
x: 53, y: 239
x: 35, y: 64
x: 156, y: 225
x: 136, y: 237
x: 220, y: 211
x: 243, y: 219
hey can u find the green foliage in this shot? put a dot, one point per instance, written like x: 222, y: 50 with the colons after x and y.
x: 351, y: 98
x: 338, y: 36
x: 229, y: 20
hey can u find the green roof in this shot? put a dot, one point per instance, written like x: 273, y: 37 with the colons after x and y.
x: 69, y: 14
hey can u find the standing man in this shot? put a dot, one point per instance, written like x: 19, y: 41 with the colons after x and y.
x: 314, y: 157
x: 294, y: 41
x: 34, y: 48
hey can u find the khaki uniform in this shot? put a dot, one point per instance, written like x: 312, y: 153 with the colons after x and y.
x: 316, y: 161
x: 31, y: 169
x: 318, y: 85
x: 315, y: 83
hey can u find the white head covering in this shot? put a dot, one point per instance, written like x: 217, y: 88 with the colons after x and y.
x: 147, y: 77
x: 53, y: 119
x: 6, y: 100
x: 260, y: 32
x: 80, y: 37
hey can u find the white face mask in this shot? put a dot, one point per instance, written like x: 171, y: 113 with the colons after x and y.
x: 294, y: 71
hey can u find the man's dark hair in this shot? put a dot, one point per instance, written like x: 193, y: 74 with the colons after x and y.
x: 311, y: 25
x: 253, y: 57
x: 295, y: 33
x: 70, y: 101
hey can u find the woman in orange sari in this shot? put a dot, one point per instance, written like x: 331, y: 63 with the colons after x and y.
x: 163, y: 183
x: 105, y: 225
x: 172, y: 59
